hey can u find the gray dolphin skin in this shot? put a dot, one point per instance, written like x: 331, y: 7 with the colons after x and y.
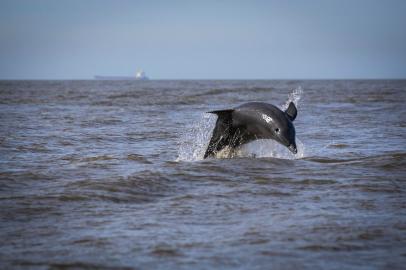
x: 253, y: 121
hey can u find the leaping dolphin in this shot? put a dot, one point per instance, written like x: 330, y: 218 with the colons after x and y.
x: 252, y: 121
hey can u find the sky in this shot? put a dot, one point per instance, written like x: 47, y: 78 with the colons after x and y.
x: 290, y: 39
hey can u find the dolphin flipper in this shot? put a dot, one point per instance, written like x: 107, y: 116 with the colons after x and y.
x: 222, y: 132
x: 291, y: 111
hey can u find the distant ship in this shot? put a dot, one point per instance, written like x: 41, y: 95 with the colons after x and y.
x: 139, y: 75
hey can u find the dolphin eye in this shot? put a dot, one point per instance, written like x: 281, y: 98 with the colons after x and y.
x: 277, y: 130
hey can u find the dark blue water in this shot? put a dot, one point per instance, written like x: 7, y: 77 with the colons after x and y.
x: 109, y: 175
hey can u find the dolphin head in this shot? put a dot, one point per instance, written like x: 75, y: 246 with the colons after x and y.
x: 285, y: 134
x: 279, y: 126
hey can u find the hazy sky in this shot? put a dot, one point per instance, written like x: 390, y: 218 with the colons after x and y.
x: 56, y: 39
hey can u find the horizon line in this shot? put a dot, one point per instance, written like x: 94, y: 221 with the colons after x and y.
x: 204, y: 79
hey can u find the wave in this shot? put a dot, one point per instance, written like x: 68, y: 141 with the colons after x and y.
x: 386, y: 161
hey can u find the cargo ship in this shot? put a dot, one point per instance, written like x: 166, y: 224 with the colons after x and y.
x: 139, y: 75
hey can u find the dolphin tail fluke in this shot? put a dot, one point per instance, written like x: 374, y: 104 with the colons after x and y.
x: 221, y: 132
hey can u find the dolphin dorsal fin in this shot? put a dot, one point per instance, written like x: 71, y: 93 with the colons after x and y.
x: 223, y: 113
x: 291, y: 111
x: 224, y: 116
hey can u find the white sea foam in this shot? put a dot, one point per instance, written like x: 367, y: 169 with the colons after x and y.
x: 194, y: 141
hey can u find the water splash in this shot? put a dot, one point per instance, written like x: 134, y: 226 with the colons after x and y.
x: 294, y: 97
x: 270, y: 148
x: 194, y: 141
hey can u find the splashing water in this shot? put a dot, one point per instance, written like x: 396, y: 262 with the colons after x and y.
x: 294, y: 97
x: 270, y: 148
x: 194, y: 142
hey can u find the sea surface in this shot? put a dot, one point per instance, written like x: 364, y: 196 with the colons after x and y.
x: 110, y: 175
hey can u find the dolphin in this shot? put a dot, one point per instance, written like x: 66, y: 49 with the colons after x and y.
x: 252, y: 121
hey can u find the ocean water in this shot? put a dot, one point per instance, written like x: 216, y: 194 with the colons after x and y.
x: 109, y: 175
